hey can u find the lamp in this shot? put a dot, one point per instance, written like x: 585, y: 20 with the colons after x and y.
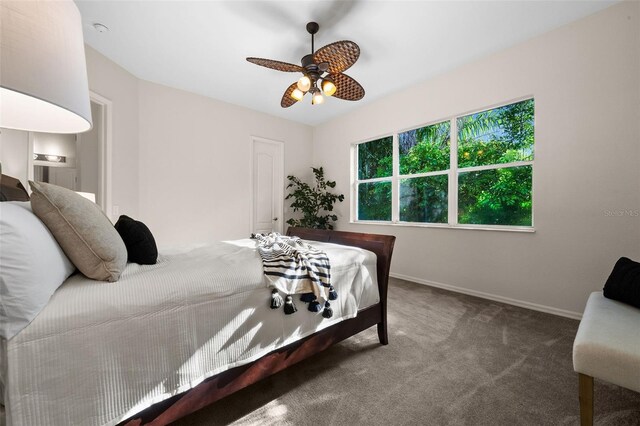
x: 304, y: 84
x: 328, y: 86
x: 43, y: 74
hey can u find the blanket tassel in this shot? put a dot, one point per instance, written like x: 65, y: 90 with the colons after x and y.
x: 315, y: 306
x: 307, y: 297
x: 289, y: 307
x: 328, y: 312
x: 333, y: 295
x: 276, y: 299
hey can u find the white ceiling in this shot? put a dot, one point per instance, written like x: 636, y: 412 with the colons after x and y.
x: 201, y: 46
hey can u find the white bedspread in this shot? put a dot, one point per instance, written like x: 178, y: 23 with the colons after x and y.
x: 100, y: 352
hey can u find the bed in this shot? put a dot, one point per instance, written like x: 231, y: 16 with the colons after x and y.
x: 64, y: 362
x: 225, y: 383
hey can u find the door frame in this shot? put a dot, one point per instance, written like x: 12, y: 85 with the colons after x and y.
x: 105, y: 150
x: 280, y: 205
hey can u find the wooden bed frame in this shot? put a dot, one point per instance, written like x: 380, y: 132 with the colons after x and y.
x: 230, y: 381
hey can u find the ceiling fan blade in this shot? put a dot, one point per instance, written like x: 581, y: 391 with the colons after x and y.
x: 347, y: 88
x: 276, y: 65
x: 340, y: 55
x: 287, y: 100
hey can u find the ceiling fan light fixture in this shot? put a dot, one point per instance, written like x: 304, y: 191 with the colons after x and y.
x: 328, y: 86
x: 317, y: 97
x: 304, y: 84
x: 323, y: 72
x: 297, y: 94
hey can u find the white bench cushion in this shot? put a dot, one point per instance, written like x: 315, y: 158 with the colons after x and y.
x: 607, y: 345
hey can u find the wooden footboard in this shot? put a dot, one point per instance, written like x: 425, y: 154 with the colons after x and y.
x: 230, y: 381
x: 381, y: 245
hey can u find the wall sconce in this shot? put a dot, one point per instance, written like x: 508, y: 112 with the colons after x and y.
x: 50, y: 158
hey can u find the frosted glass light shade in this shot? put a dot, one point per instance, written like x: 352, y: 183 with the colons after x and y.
x: 317, y: 98
x: 328, y: 87
x: 297, y: 94
x: 304, y: 84
x: 43, y: 73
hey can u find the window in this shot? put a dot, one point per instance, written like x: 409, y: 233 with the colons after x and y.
x: 424, y: 166
x: 375, y: 168
x: 475, y: 169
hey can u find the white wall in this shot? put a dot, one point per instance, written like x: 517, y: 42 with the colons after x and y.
x: 14, y: 149
x: 111, y: 81
x: 586, y: 81
x: 195, y: 163
x: 181, y: 162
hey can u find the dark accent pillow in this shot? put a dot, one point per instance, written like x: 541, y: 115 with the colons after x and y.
x: 141, y: 246
x: 11, y: 189
x: 623, y: 284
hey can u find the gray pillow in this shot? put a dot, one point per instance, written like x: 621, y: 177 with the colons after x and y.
x: 85, y: 234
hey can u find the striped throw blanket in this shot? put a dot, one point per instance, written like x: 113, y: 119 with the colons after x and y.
x: 291, y: 267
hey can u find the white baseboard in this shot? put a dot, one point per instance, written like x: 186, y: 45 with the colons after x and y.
x: 489, y: 296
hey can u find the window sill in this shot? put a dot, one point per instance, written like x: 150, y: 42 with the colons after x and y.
x: 525, y: 229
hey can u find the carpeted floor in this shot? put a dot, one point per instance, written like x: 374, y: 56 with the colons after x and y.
x: 452, y: 360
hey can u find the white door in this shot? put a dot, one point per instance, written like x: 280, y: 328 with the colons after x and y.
x: 267, y: 186
x: 63, y: 176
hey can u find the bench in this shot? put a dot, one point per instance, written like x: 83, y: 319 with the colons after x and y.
x: 607, y: 347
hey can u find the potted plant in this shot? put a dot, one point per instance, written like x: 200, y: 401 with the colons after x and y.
x: 313, y: 201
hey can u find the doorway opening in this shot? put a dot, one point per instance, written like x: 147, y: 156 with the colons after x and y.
x: 80, y: 162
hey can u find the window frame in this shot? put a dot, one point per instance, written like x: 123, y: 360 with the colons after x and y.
x: 355, y: 181
x: 423, y: 174
x: 453, y: 173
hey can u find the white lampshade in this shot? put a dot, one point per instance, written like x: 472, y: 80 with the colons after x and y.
x: 43, y: 73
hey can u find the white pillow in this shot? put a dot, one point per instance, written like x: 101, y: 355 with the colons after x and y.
x: 32, y: 267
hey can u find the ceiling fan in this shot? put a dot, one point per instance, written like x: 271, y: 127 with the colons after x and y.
x: 322, y: 72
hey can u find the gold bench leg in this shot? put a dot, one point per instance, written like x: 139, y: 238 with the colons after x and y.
x: 586, y: 399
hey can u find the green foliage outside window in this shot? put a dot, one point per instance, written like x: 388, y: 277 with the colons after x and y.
x: 424, y: 199
x: 374, y: 201
x: 426, y: 149
x: 495, y: 197
x: 498, y: 136
x: 375, y: 159
x: 500, y: 196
